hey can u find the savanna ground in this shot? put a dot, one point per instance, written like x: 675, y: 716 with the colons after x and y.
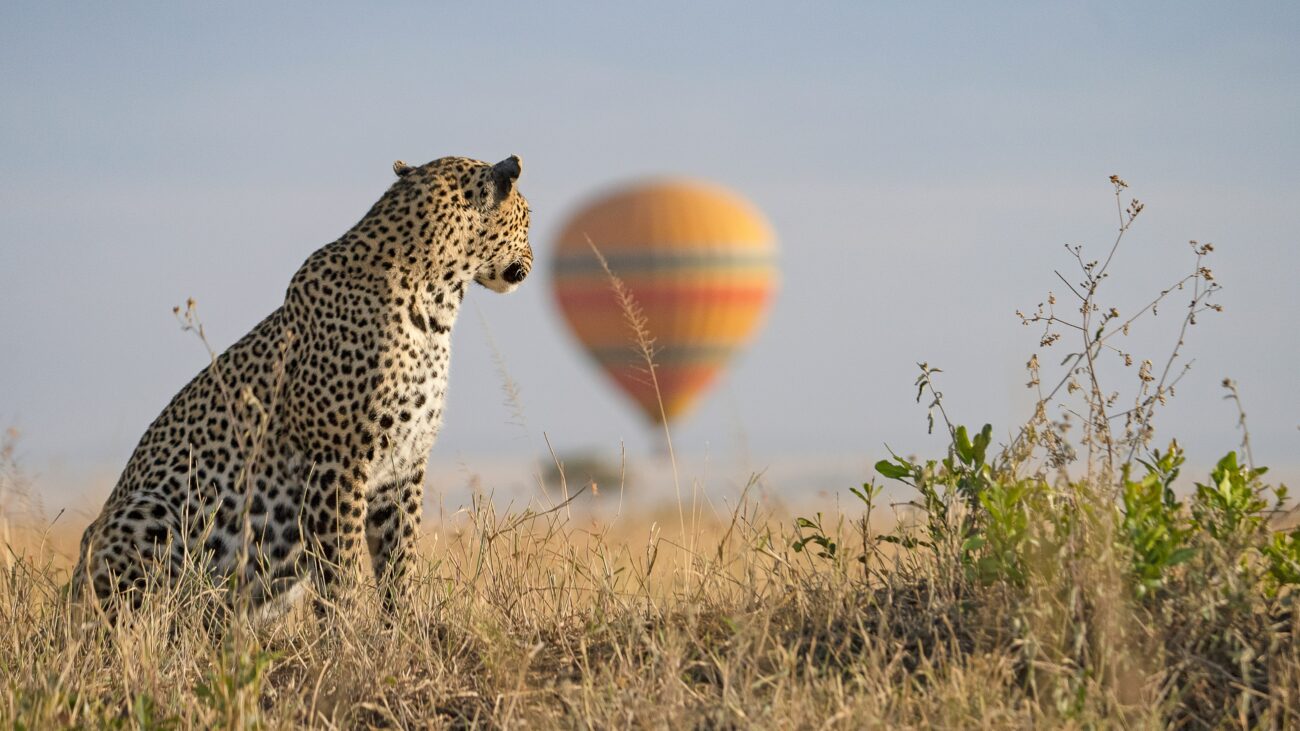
x: 1054, y: 580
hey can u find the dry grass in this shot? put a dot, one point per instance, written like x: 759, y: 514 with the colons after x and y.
x: 542, y: 620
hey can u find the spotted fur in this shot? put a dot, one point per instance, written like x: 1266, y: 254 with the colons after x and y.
x: 303, y: 447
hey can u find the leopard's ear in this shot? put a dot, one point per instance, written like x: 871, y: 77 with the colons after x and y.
x: 505, y: 173
x: 402, y: 168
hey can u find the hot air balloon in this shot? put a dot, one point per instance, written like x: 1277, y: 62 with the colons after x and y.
x: 698, y: 260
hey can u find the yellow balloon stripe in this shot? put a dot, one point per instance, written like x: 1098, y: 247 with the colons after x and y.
x: 671, y: 214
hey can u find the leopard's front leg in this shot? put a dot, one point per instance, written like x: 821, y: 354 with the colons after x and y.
x: 336, y: 505
x: 392, y: 529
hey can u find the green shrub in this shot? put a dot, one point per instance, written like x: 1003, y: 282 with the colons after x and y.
x: 1155, y: 529
x: 1074, y: 536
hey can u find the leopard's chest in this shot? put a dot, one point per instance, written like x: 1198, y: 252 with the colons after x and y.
x: 407, y: 409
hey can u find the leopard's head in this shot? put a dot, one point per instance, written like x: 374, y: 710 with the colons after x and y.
x: 487, y: 207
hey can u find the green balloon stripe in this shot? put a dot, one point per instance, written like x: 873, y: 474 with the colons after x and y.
x: 660, y: 261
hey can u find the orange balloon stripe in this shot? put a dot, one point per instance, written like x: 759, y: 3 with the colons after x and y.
x: 607, y: 333
x: 603, y: 324
x: 672, y: 355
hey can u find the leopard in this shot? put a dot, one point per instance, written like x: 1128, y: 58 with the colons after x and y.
x: 301, y: 450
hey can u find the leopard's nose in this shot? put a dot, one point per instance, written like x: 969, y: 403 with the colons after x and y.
x: 515, y: 273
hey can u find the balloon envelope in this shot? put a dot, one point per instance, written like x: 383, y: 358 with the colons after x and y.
x: 697, y: 259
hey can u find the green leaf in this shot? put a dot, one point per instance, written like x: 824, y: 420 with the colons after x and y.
x: 866, y: 494
x: 1228, y: 463
x: 964, y: 448
x: 982, y: 441
x: 891, y: 470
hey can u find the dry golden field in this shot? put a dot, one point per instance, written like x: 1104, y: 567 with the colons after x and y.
x: 552, y: 620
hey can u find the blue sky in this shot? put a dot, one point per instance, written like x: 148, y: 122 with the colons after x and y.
x: 923, y: 164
